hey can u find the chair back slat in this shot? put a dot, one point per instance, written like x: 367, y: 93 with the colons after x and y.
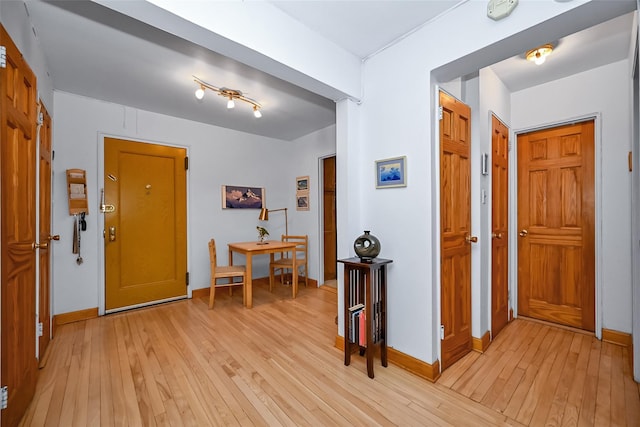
x: 213, y: 258
x: 301, y: 241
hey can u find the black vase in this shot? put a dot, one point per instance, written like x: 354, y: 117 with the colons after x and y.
x: 367, y: 247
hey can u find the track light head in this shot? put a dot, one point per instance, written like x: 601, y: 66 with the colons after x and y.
x: 200, y: 92
x: 231, y: 94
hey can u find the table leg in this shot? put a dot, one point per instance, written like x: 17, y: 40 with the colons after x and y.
x: 249, y: 282
x: 294, y: 277
x: 347, y: 343
x: 368, y: 320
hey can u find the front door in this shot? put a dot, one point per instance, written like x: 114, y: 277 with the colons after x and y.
x: 18, y: 269
x: 146, y: 235
x: 455, y: 228
x: 499, y: 226
x: 556, y: 243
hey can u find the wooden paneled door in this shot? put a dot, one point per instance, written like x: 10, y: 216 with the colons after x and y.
x: 455, y: 228
x: 499, y: 225
x: 329, y: 218
x: 556, y: 243
x: 44, y: 215
x: 146, y: 235
x: 18, y: 241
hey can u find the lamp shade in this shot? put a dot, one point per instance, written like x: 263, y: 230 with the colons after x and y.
x: 264, y: 214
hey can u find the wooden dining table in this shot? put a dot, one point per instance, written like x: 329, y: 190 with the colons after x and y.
x: 271, y: 247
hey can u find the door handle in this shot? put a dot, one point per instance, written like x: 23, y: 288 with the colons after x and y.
x: 523, y: 233
x: 470, y: 239
x: 496, y: 235
x: 54, y: 237
x: 112, y: 234
x: 36, y: 245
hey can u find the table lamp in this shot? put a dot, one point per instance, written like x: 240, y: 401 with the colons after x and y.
x: 264, y: 216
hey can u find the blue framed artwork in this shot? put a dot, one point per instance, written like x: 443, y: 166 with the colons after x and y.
x: 391, y: 173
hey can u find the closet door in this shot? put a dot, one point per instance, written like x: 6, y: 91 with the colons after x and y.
x: 18, y: 190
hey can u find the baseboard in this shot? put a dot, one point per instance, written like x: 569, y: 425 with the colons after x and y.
x: 430, y: 372
x: 200, y: 293
x: 74, y: 316
x: 616, y: 337
x: 481, y: 344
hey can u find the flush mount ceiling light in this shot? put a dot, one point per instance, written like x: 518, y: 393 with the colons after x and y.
x: 230, y: 94
x: 539, y: 54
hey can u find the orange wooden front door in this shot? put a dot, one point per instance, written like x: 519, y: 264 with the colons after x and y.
x: 18, y: 188
x: 556, y: 243
x: 146, y: 235
x: 499, y: 226
x: 44, y: 191
x: 455, y: 228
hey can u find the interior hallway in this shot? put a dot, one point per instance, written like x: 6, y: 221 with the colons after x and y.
x: 276, y: 364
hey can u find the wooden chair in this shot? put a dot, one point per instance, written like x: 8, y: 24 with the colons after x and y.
x: 225, y: 272
x: 289, y: 262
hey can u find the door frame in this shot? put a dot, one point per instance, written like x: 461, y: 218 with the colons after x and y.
x: 513, y: 210
x: 99, y: 229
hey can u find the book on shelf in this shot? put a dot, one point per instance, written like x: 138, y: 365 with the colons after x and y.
x: 356, y: 307
x: 355, y: 312
x: 362, y: 331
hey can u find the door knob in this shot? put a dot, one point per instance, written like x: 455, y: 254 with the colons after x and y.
x: 54, y: 237
x: 496, y: 235
x: 523, y: 233
x: 471, y: 239
x: 112, y: 234
x: 36, y: 245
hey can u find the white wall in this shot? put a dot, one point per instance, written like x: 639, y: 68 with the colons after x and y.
x: 405, y: 220
x: 217, y: 157
x: 15, y: 20
x: 308, y: 152
x: 607, y: 91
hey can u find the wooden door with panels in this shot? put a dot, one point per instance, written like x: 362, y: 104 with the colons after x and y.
x: 455, y: 229
x: 499, y: 225
x: 45, y: 155
x: 556, y: 223
x: 18, y: 234
x: 329, y: 218
x: 146, y: 233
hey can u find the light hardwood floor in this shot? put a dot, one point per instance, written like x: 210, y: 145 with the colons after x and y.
x: 540, y: 374
x: 276, y: 364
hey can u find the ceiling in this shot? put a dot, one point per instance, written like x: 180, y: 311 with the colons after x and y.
x: 96, y: 52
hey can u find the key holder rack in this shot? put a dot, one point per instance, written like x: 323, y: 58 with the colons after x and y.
x: 77, y: 191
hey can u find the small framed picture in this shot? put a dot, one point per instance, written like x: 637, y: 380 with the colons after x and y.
x: 242, y: 197
x: 302, y: 183
x: 302, y: 201
x: 391, y: 172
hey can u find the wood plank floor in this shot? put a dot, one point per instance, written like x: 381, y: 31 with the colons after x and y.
x: 540, y: 374
x: 181, y: 364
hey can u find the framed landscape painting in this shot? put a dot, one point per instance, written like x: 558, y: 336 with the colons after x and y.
x: 391, y: 172
x: 242, y: 197
x: 302, y: 183
x: 302, y: 201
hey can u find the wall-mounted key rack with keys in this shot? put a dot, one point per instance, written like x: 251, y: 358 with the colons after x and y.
x: 77, y: 191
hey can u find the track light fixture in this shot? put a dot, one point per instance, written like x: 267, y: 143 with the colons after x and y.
x: 231, y: 94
